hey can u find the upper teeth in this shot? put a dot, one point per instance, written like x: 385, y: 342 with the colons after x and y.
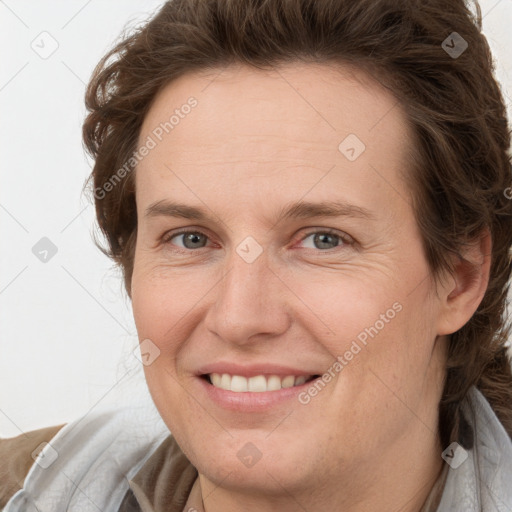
x: 258, y: 383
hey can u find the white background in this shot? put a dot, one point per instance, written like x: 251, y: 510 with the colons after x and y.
x: 67, y: 333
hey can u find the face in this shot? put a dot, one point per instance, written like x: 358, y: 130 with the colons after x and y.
x: 276, y: 238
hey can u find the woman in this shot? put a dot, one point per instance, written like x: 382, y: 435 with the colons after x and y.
x: 308, y: 202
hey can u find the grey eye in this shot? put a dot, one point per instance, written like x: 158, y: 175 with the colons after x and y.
x: 324, y: 240
x: 192, y: 240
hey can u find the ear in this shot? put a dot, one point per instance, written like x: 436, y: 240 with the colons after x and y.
x: 461, y: 293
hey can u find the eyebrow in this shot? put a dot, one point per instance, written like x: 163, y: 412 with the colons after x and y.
x: 296, y: 210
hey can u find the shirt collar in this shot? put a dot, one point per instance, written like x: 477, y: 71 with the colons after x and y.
x: 164, y: 482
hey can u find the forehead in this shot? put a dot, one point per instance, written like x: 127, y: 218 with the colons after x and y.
x: 248, y: 122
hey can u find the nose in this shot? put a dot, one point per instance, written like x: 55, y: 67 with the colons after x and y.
x: 249, y: 303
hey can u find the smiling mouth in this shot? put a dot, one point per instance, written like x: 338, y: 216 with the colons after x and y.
x: 257, y: 384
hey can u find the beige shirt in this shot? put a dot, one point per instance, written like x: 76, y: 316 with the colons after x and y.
x: 167, y: 482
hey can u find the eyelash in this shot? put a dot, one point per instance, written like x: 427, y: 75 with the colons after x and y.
x: 344, y: 238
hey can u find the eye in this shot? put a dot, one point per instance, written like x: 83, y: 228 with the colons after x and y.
x: 327, y: 239
x: 190, y: 239
x: 320, y: 239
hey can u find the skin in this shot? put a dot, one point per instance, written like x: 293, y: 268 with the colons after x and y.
x: 256, y: 142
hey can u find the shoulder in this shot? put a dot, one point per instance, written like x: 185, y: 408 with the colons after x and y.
x: 479, y: 476
x: 107, y: 445
x: 17, y: 455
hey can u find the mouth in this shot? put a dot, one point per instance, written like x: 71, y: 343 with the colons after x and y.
x: 257, y: 383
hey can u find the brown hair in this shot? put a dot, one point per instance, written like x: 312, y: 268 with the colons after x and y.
x: 461, y: 163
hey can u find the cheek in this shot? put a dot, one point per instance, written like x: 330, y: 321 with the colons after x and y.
x: 163, y: 314
x: 168, y: 306
x: 372, y: 320
x: 161, y: 300
x: 149, y: 302
x: 342, y: 305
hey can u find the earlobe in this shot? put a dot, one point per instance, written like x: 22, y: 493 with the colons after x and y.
x: 466, y: 289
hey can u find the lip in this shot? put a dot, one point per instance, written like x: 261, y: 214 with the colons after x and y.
x: 251, y: 401
x: 254, y: 369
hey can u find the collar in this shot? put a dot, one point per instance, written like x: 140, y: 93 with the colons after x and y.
x: 165, y: 482
x: 479, y: 478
